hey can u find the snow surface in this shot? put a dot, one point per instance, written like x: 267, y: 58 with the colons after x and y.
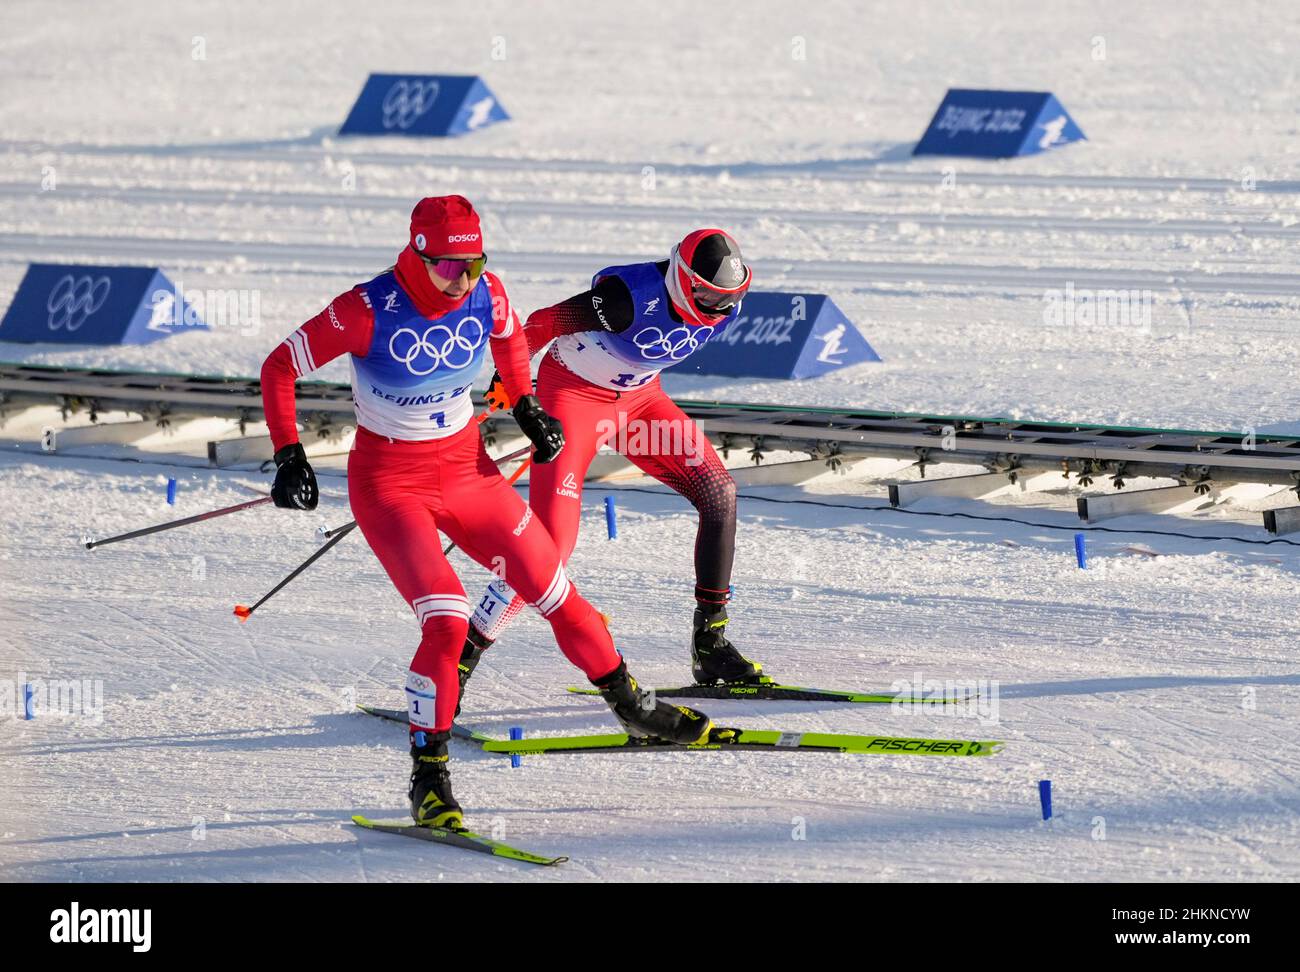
x: 1158, y: 689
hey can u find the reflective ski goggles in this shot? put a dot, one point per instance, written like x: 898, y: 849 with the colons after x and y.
x: 715, y: 300
x: 449, y: 269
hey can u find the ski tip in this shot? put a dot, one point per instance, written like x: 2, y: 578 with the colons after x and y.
x: 577, y: 690
x: 360, y: 821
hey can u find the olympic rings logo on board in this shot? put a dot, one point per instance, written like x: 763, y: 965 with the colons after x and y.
x: 439, y: 345
x: 406, y: 101
x: 666, y: 345
x: 73, y: 299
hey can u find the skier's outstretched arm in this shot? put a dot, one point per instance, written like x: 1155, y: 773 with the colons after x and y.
x: 605, y: 307
x: 344, y: 326
x: 509, y: 346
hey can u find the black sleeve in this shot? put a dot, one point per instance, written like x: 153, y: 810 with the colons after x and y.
x: 612, y: 305
x: 605, y: 307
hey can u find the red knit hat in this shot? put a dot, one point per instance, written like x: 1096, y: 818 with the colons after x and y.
x: 446, y: 226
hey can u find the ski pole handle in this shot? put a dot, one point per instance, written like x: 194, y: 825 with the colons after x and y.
x: 173, y: 524
x: 338, y: 531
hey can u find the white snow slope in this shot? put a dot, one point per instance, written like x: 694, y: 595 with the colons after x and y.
x: 1158, y: 689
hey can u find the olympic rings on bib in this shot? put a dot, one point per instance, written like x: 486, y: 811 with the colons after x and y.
x: 439, y: 346
x: 666, y: 345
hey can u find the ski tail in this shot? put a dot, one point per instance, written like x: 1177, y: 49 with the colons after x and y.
x: 464, y: 839
x: 400, y: 715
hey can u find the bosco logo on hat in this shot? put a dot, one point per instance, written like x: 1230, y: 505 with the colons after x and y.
x: 446, y: 226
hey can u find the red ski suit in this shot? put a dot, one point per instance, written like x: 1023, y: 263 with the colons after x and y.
x: 643, y: 424
x: 403, y: 491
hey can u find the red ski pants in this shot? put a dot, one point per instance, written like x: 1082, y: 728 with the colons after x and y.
x: 402, y: 493
x: 646, y: 426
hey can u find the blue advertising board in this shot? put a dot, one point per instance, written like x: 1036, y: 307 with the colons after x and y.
x: 997, y: 125
x: 783, y: 335
x: 80, y: 304
x: 424, y: 105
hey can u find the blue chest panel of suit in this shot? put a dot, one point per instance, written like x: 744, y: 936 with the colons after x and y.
x: 654, y: 340
x: 414, y: 382
x: 409, y: 351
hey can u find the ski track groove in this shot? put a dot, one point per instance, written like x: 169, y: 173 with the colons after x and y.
x: 330, y: 259
x: 170, y: 645
x: 317, y: 150
x: 613, y: 212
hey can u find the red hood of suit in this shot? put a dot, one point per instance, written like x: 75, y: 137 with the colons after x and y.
x: 428, y: 299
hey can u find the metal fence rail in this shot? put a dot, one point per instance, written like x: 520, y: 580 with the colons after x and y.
x: 1202, y: 459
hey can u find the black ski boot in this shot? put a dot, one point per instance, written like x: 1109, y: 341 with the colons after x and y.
x: 642, y: 715
x: 715, y: 659
x: 475, y: 645
x: 432, y: 804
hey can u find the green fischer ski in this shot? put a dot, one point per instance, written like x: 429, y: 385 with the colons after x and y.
x: 465, y: 839
x: 749, y: 739
x: 792, y: 693
x: 761, y: 740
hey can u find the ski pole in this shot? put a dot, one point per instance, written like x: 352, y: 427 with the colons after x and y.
x: 338, y: 533
x: 173, y: 524
x: 514, y: 476
x: 243, y: 613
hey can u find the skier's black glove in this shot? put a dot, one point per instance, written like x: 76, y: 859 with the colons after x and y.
x: 295, y: 483
x: 545, y: 432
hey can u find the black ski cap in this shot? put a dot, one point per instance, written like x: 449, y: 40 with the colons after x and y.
x: 717, y: 259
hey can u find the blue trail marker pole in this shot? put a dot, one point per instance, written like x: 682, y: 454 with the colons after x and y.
x: 1045, y: 797
x: 516, y: 734
x: 171, y: 491
x: 611, y: 518
x: 29, y: 702
x: 1080, y: 551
